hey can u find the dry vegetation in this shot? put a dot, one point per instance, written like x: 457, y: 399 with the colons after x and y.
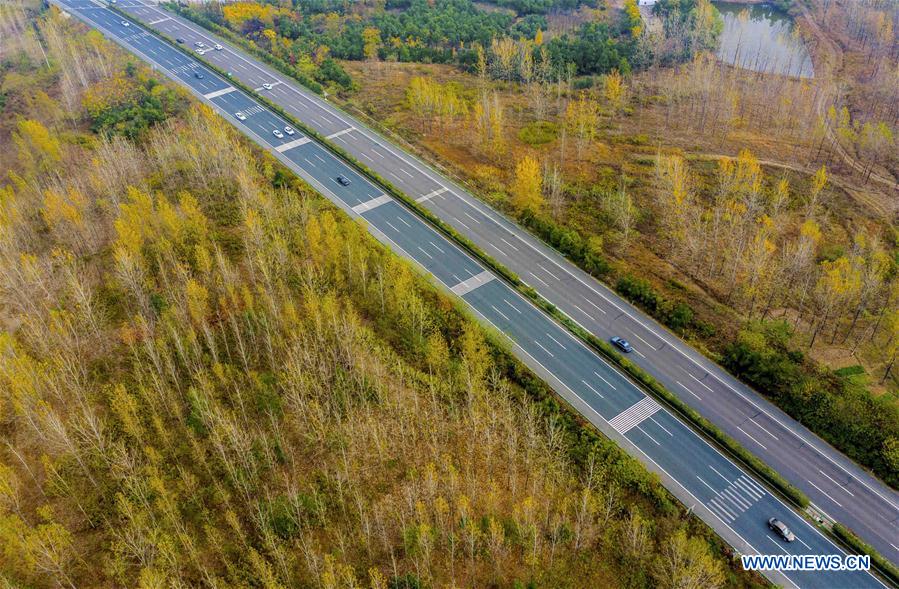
x: 209, y: 377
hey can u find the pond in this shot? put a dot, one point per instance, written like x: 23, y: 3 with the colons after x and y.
x: 761, y: 38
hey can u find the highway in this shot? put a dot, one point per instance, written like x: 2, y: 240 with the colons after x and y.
x: 717, y: 490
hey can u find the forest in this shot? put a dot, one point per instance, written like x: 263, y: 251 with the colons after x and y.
x: 752, y: 214
x: 210, y: 377
x: 310, y: 36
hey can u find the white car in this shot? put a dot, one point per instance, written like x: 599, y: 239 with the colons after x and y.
x: 125, y: 23
x: 277, y: 133
x: 199, y: 51
x: 289, y: 130
x: 240, y: 116
x: 267, y: 86
x: 218, y: 47
x: 198, y: 44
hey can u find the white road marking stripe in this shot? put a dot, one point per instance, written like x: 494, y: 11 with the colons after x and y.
x: 290, y: 145
x: 717, y: 502
x: 503, y: 315
x: 781, y: 548
x: 706, y: 484
x: 424, y: 252
x: 763, y: 429
x: 406, y: 173
x: 840, y: 485
x: 339, y: 133
x: 748, y: 490
x: 697, y: 380
x: 431, y: 195
x: 470, y: 217
x: 594, y: 304
x: 509, y: 244
x: 665, y: 429
x: 750, y: 437
x: 647, y: 435
x: 513, y: 306
x: 392, y: 227
x: 715, y: 470
x: 825, y: 493
x: 636, y: 335
x: 557, y: 341
x: 476, y: 281
x: 589, y: 386
x: 544, y: 349
x: 404, y: 222
x: 371, y: 204
x: 586, y: 314
x: 436, y: 247
x: 688, y: 390
x: 550, y: 273
x: 537, y: 277
x: 599, y: 376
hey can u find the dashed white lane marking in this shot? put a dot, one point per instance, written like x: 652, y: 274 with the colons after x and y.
x: 537, y: 277
x: 803, y: 543
x: 589, y: 386
x: 497, y: 249
x: 371, y: 204
x: 431, y: 195
x: 501, y: 314
x: 339, y: 133
x: 636, y: 335
x: 586, y: 314
x: 557, y: 341
x: 715, y: 470
x: 634, y: 415
x: 840, y: 485
x: 461, y: 223
x: 470, y: 217
x: 513, y: 306
x: 392, y: 226
x: 665, y: 429
x: 688, y: 390
x: 509, y: 244
x: 377, y: 153
x: 643, y: 431
x: 779, y: 547
x: 761, y: 427
x: 424, y: 252
x: 476, y: 281
x: 406, y: 173
x: 404, y: 222
x: 748, y: 435
x: 544, y: 349
x: 291, y: 144
x: 436, y: 247
x: 602, y: 378
x: 697, y: 380
x: 595, y: 306
x: 548, y: 272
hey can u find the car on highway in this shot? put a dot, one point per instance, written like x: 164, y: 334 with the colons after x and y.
x: 199, y: 75
x: 267, y: 86
x: 622, y: 344
x: 289, y: 130
x: 240, y: 116
x: 343, y: 180
x: 218, y: 47
x: 781, y: 529
x: 199, y: 51
x: 125, y: 23
x: 198, y: 44
x: 277, y: 133
x: 179, y: 40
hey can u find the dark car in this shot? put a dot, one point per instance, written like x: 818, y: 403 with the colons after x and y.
x: 199, y: 75
x: 781, y: 529
x: 180, y: 40
x: 622, y: 344
x: 343, y: 180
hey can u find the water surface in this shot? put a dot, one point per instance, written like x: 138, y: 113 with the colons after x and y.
x: 761, y: 38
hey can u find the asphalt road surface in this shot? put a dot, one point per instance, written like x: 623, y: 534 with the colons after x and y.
x: 720, y: 492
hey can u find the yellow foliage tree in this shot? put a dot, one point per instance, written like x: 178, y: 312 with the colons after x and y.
x: 527, y: 188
